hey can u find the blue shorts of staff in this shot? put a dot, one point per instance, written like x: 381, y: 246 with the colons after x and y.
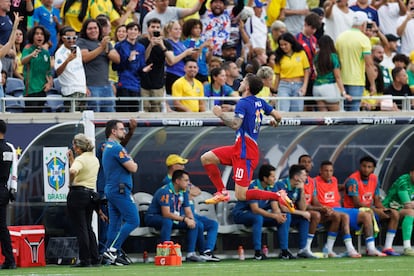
x: 165, y: 226
x: 123, y: 216
x: 353, y: 217
x: 258, y: 221
x: 302, y: 225
x: 211, y: 227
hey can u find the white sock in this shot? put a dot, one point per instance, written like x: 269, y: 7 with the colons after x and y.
x: 330, y: 243
x: 370, y: 243
x: 349, y: 246
x: 407, y: 244
x: 389, y: 239
x: 309, y: 242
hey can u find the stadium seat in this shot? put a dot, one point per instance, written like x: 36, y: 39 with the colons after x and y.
x: 142, y: 201
x: 225, y: 218
x: 14, y: 104
x: 14, y: 87
x: 56, y: 89
x: 203, y: 209
x: 54, y: 103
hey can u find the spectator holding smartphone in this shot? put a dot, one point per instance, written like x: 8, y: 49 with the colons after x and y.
x: 69, y: 67
x: 405, y: 29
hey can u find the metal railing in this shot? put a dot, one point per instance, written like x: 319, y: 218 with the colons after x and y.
x: 67, y: 104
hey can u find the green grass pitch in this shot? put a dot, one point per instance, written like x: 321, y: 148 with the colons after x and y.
x: 365, y: 266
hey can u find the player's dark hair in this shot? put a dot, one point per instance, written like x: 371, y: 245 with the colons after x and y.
x: 265, y: 171
x: 255, y: 83
x: 3, y: 126
x: 325, y: 163
x: 303, y: 156
x: 178, y: 174
x: 369, y: 159
x: 110, y: 125
x: 295, y: 170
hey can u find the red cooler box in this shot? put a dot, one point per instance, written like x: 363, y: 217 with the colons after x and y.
x: 30, y: 244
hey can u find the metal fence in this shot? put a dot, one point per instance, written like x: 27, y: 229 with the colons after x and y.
x: 57, y: 103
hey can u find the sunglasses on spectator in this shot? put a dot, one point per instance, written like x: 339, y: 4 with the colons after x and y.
x: 70, y: 37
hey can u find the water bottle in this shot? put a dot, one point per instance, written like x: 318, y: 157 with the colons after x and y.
x: 325, y: 252
x: 265, y: 250
x: 241, y: 253
x: 145, y: 257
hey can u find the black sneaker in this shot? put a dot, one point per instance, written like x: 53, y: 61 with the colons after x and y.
x: 109, y: 256
x: 209, y: 257
x: 259, y: 257
x: 121, y: 260
x: 286, y: 255
x: 125, y: 256
x: 8, y: 266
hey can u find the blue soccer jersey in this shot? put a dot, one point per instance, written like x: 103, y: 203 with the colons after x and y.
x: 251, y: 110
x: 113, y: 158
x: 166, y: 196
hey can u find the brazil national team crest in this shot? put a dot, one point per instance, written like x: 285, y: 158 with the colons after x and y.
x: 56, y: 174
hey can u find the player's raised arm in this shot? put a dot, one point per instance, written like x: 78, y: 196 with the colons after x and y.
x: 233, y: 122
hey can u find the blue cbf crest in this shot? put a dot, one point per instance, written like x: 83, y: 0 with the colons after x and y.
x: 56, y: 173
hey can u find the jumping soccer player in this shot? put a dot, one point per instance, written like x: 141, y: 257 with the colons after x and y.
x: 243, y: 156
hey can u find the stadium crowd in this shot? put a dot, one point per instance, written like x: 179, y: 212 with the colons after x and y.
x: 332, y: 50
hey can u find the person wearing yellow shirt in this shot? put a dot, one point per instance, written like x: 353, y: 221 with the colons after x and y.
x: 188, y: 86
x: 74, y: 12
x: 292, y: 72
x: 275, y: 11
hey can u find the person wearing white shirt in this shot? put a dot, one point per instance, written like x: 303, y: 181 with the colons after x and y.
x: 255, y: 26
x: 69, y: 67
x: 405, y: 29
x: 338, y: 17
x: 388, y: 12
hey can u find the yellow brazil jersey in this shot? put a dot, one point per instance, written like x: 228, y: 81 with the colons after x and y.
x: 71, y: 16
x: 293, y: 66
x: 182, y: 88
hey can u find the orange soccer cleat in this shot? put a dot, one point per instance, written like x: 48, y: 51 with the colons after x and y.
x: 218, y: 197
x: 285, y: 200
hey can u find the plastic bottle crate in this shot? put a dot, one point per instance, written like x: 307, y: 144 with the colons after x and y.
x: 62, y: 250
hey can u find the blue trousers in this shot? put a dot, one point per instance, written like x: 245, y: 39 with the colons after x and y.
x: 102, y: 105
x: 303, y: 226
x: 123, y: 218
x: 258, y: 221
x: 211, y: 227
x: 354, y: 91
x: 165, y: 226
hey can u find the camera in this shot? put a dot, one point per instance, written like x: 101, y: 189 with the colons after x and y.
x: 73, y: 48
x: 156, y: 34
x: 369, y: 25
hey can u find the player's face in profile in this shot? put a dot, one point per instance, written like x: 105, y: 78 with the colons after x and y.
x: 366, y: 169
x: 326, y: 172
x: 271, y: 179
x: 243, y: 86
x: 183, y: 182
